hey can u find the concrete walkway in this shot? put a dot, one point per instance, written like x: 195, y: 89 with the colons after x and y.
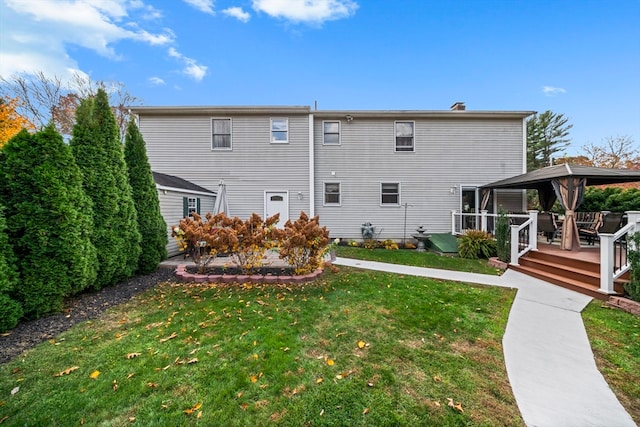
x: 549, y: 361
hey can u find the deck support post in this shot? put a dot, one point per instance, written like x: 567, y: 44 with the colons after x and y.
x: 606, y: 264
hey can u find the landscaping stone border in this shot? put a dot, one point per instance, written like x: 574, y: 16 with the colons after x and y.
x: 183, y: 276
x: 625, y: 304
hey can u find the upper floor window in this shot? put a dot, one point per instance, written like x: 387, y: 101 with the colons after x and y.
x: 332, y: 193
x: 404, y: 136
x: 331, y: 133
x: 280, y: 131
x: 390, y: 193
x: 221, y: 134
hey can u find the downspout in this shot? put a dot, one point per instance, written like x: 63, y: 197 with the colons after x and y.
x: 524, y: 161
x: 312, y: 196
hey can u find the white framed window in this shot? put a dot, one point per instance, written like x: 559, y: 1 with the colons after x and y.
x: 331, y: 132
x: 332, y: 194
x: 405, y: 136
x: 279, y: 131
x: 390, y: 194
x: 190, y: 205
x: 221, y: 134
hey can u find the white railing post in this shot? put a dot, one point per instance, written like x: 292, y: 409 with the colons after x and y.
x: 633, y: 217
x: 483, y: 220
x: 606, y: 263
x: 533, y: 230
x: 514, y: 245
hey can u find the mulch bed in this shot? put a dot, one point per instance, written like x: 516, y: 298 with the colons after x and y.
x: 86, y: 306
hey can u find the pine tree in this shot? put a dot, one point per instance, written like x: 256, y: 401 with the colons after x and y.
x: 151, y: 225
x: 547, y: 135
x: 49, y: 220
x: 98, y: 151
x: 10, y: 309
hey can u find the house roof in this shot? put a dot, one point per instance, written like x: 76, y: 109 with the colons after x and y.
x: 296, y: 109
x: 541, y: 177
x: 173, y: 182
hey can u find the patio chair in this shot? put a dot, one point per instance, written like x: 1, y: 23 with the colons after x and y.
x: 548, y: 226
x: 608, y: 224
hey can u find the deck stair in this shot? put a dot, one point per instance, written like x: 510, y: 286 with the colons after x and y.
x: 568, y: 271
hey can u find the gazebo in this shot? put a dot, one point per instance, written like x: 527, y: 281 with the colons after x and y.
x: 565, y: 183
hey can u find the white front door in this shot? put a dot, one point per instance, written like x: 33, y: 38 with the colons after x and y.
x: 277, y: 202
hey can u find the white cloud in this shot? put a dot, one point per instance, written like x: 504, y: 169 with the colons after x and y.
x: 157, y: 81
x: 38, y: 35
x: 552, y: 91
x: 191, y: 66
x: 205, y: 6
x: 308, y: 11
x: 238, y: 13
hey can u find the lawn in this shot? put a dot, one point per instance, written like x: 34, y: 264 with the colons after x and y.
x: 615, y: 340
x: 354, y: 348
x: 418, y: 259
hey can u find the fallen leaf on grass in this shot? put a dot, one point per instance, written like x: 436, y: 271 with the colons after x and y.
x: 456, y: 406
x: 319, y: 380
x: 170, y: 337
x: 193, y: 409
x: 437, y: 379
x: 330, y: 362
x: 152, y: 385
x: 95, y: 374
x: 361, y: 344
x: 365, y: 411
x: 15, y: 390
x: 115, y: 385
x: 132, y: 355
x: 66, y: 371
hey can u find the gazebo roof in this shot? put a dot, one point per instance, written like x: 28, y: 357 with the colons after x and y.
x: 542, y: 177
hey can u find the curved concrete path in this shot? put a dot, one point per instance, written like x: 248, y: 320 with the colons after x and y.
x: 549, y: 361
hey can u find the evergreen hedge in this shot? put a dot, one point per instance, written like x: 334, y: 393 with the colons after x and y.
x: 48, y: 219
x: 10, y: 309
x: 151, y: 225
x: 613, y: 199
x: 98, y: 152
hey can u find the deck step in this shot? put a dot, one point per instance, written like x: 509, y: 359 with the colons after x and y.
x: 567, y: 271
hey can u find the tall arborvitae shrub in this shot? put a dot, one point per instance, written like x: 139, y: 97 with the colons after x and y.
x: 49, y: 221
x: 98, y: 152
x: 151, y: 225
x: 10, y: 309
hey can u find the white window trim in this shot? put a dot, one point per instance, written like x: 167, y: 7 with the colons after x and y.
x: 391, y: 205
x: 324, y: 192
x: 286, y: 119
x: 395, y: 136
x: 339, y: 132
x: 230, y: 134
x: 190, y: 206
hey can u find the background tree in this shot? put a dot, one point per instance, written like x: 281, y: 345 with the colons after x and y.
x: 151, y: 225
x: 48, y: 219
x: 50, y: 98
x: 99, y: 154
x: 10, y: 121
x: 614, y: 152
x: 547, y: 135
x: 10, y: 309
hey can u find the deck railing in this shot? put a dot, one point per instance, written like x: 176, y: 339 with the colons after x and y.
x: 614, y: 252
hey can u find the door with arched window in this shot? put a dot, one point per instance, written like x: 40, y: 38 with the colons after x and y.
x: 277, y: 202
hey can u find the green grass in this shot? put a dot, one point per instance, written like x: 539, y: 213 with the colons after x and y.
x: 252, y: 355
x: 418, y: 259
x: 615, y: 339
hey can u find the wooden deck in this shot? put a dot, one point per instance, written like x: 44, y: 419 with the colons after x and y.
x: 578, y: 270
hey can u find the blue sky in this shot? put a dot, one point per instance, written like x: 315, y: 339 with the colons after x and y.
x: 578, y: 58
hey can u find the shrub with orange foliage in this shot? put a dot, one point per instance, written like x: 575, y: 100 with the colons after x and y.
x: 304, y: 243
x: 205, y: 238
x: 254, y: 238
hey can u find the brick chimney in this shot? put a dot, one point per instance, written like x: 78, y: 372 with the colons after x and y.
x: 458, y: 106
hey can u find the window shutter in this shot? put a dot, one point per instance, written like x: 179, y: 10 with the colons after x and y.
x: 198, y: 205
x: 185, y: 207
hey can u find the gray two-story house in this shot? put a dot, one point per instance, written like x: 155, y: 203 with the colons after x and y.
x: 396, y: 169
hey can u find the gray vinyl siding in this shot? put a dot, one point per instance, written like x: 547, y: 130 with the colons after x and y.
x: 172, y: 211
x: 448, y: 153
x: 180, y: 145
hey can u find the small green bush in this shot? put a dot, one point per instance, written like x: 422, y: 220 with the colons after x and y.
x: 633, y: 287
x: 476, y: 244
x: 503, y: 237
